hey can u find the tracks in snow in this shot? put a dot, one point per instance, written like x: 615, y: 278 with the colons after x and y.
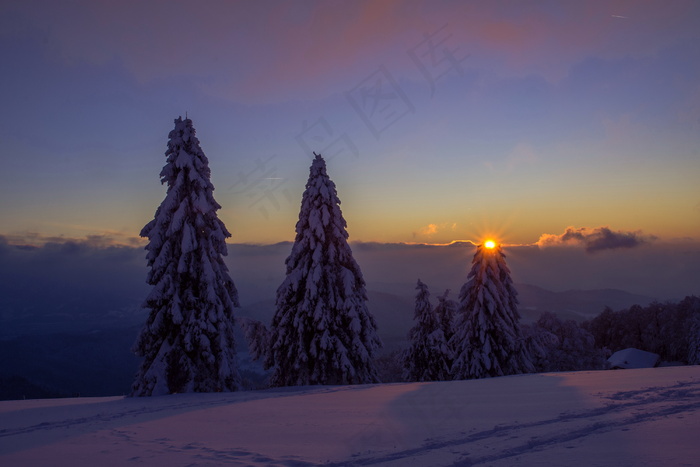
x: 622, y: 410
x: 612, y: 412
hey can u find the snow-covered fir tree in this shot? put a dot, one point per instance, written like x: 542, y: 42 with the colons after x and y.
x: 257, y: 336
x: 561, y: 345
x: 694, y: 342
x: 446, y: 310
x: 692, y: 306
x: 488, y: 340
x: 322, y: 331
x: 187, y: 343
x: 539, y: 343
x: 427, y: 358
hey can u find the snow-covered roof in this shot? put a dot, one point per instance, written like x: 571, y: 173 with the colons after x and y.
x: 633, y: 358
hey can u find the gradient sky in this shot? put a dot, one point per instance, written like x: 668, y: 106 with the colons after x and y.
x: 439, y: 120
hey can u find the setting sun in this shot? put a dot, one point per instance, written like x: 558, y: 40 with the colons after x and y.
x: 490, y: 244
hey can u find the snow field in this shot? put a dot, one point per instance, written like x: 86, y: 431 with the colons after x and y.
x: 622, y: 418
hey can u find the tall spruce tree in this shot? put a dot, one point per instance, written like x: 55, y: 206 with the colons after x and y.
x: 427, y: 358
x: 488, y: 340
x: 322, y: 331
x: 187, y: 343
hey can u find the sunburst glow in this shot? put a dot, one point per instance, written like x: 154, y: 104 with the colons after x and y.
x: 490, y: 244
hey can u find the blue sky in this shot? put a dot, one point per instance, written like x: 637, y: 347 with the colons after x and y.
x: 528, y: 118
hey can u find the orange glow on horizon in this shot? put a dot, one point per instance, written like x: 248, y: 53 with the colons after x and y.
x: 490, y: 244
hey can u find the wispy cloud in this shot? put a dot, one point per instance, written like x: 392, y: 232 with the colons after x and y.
x: 104, y: 240
x: 431, y: 230
x: 595, y: 239
x: 522, y: 154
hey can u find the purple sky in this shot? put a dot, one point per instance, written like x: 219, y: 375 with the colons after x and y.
x: 572, y: 123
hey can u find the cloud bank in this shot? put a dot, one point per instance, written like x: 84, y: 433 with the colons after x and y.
x: 105, y: 240
x: 596, y: 239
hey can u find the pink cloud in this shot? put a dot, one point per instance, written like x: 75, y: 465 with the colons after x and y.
x: 265, y: 51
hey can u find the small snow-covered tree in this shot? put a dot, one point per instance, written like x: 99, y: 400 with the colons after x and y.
x: 427, y: 358
x: 187, y: 343
x: 488, y: 340
x: 691, y: 306
x: 322, y: 331
x: 557, y: 345
x: 257, y: 336
x: 539, y: 343
x: 446, y: 311
x: 694, y: 341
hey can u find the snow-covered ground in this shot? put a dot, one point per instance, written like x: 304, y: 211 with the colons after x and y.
x: 648, y: 417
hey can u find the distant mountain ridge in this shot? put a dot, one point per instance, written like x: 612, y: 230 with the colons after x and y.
x: 72, y: 310
x: 575, y: 304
